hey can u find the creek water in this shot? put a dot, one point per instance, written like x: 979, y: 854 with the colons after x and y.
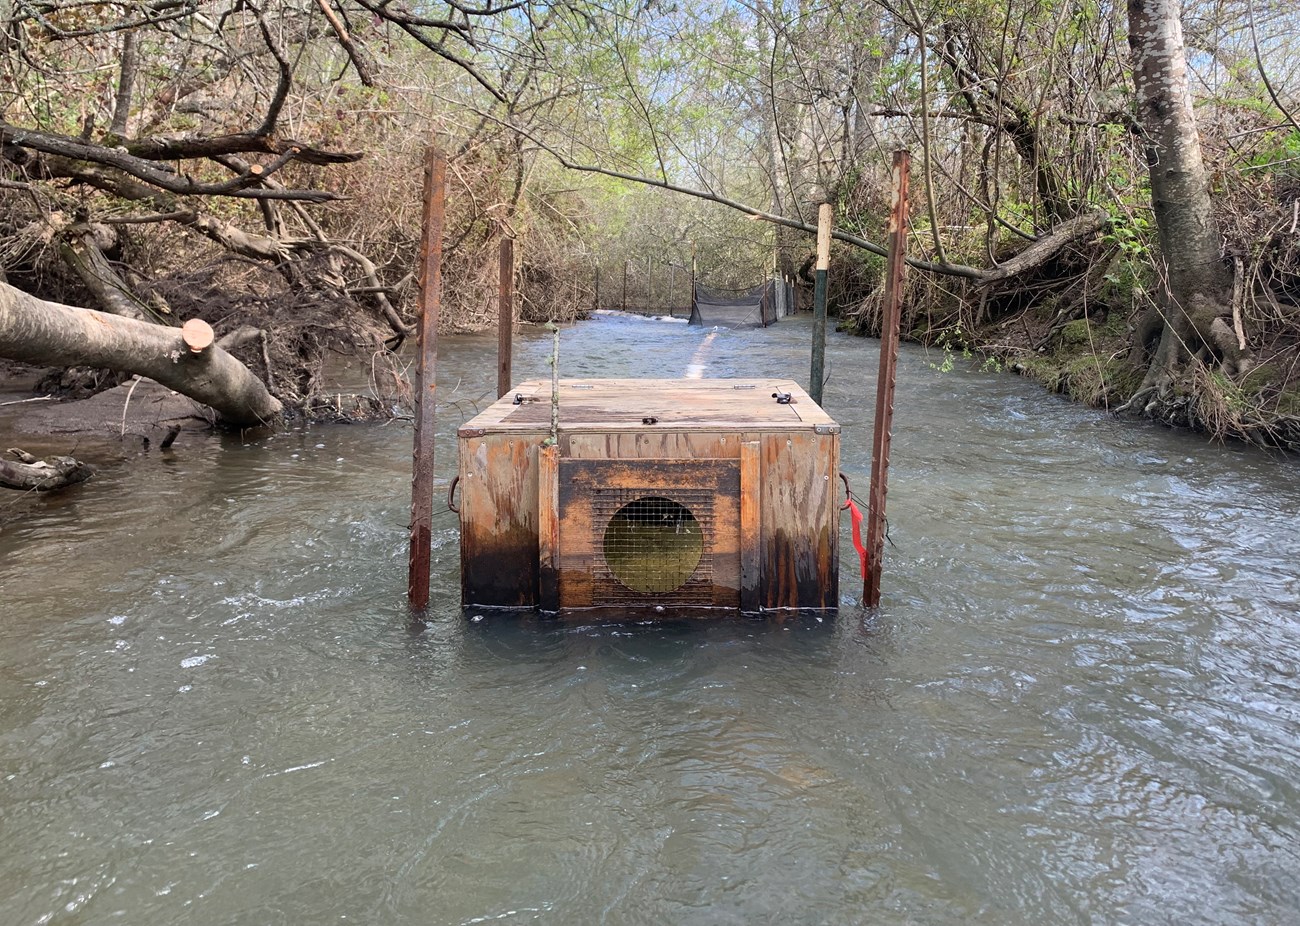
x: 1079, y: 702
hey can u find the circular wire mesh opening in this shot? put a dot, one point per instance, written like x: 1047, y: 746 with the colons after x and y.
x: 653, y: 544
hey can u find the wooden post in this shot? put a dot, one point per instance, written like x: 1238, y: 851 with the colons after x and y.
x: 430, y: 279
x: 649, y: 286
x: 505, y: 315
x: 691, y: 314
x: 624, y: 305
x: 894, y: 270
x: 825, y: 215
x: 672, y: 278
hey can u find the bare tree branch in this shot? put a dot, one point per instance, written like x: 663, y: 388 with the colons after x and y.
x: 362, y: 64
x: 406, y: 23
x: 148, y: 172
x: 957, y: 270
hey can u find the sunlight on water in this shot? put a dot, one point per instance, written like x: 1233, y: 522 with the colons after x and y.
x: 1080, y: 702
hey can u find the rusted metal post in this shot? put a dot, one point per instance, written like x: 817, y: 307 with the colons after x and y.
x: 825, y: 215
x: 505, y: 315
x: 894, y: 269
x: 430, y: 276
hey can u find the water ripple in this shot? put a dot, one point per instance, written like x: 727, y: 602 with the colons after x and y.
x: 1079, y: 704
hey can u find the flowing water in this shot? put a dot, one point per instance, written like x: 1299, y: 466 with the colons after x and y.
x: 1079, y: 703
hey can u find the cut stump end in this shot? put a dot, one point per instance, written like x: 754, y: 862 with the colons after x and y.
x: 197, y: 335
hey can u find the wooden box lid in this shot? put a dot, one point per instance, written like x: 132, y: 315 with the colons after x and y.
x: 634, y: 404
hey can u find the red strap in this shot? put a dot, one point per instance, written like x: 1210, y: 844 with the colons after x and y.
x: 856, y: 515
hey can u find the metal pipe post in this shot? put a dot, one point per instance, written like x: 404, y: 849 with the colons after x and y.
x: 894, y: 269
x: 505, y: 315
x: 825, y: 215
x: 430, y: 278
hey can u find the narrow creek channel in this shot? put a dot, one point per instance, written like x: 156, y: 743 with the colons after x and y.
x: 1080, y: 702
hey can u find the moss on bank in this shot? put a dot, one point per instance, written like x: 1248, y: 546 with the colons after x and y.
x: 1090, y: 360
x: 1086, y: 359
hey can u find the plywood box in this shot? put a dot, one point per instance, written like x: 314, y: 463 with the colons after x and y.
x: 659, y: 496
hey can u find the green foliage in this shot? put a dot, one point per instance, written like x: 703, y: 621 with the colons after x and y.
x: 1095, y: 380
x: 1089, y: 378
x: 1088, y: 335
x: 952, y: 341
x: 1234, y: 397
x: 1261, y: 377
x: 1075, y: 333
x: 1288, y: 403
x: 1125, y: 283
x: 1278, y: 153
x: 1130, y: 233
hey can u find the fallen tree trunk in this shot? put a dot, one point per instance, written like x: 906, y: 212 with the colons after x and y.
x: 42, y: 475
x: 1043, y: 250
x: 50, y: 334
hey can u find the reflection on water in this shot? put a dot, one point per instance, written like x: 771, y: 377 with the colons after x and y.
x: 1079, y: 703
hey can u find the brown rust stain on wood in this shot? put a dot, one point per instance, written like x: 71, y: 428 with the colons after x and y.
x: 751, y: 523
x: 800, y: 558
x: 802, y: 575
x: 548, y: 528
x: 499, y: 542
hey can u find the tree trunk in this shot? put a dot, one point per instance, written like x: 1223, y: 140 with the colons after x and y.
x: 1044, y: 249
x: 780, y: 122
x: 1197, y: 282
x: 125, y: 83
x: 83, y: 255
x: 47, y: 333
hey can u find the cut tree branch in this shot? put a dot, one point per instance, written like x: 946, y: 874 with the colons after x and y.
x: 50, y: 334
x: 257, y: 247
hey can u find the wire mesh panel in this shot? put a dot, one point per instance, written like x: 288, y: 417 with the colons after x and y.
x: 754, y: 307
x: 648, y: 533
x: 653, y: 544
